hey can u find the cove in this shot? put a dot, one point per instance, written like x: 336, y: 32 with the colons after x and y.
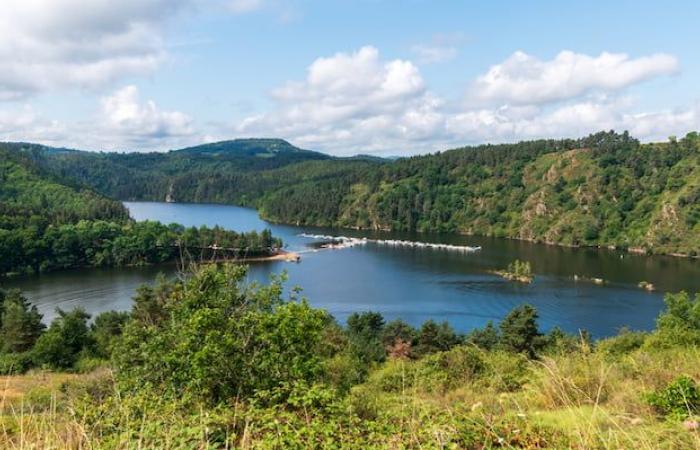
x: 412, y: 283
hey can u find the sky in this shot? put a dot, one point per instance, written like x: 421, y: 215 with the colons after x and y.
x: 344, y: 77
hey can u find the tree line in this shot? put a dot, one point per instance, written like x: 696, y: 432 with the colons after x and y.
x: 606, y: 189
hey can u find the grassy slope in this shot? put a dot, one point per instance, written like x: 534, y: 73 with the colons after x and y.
x: 586, y: 400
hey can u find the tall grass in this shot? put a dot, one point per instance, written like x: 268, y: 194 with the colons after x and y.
x: 462, y: 399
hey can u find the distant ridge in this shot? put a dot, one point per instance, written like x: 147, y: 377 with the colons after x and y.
x: 260, y: 147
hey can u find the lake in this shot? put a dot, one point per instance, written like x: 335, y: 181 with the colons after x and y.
x: 414, y: 284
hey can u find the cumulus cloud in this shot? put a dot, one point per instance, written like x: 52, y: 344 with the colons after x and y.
x: 121, y: 122
x: 51, y: 44
x: 525, y: 79
x: 134, y: 121
x: 23, y: 123
x: 352, y: 102
x: 359, y: 103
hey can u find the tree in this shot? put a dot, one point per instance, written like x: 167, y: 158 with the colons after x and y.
x: 67, y: 337
x: 398, y: 330
x: 20, y: 323
x: 519, y: 331
x: 398, y: 338
x: 223, y: 339
x: 434, y: 337
x: 486, y: 338
x: 365, y: 333
x: 107, y: 327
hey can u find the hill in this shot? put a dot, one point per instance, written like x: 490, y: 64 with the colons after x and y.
x: 607, y: 189
x: 48, y: 222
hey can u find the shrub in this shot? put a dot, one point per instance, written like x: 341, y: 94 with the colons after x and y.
x: 67, y: 337
x: 678, y: 400
x: 679, y: 324
x: 365, y: 334
x: 106, y: 329
x: 459, y: 366
x: 15, y: 363
x: 224, y: 339
x: 624, y: 343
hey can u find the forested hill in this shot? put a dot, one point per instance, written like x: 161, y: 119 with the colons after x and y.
x: 606, y: 189
x: 49, y: 223
x: 31, y: 197
x: 130, y: 176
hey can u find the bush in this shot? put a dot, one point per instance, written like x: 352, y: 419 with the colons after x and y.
x: 678, y: 400
x: 224, y: 340
x: 624, y: 343
x: 67, y: 337
x: 106, y: 329
x: 15, y: 363
x: 486, y: 338
x: 459, y: 366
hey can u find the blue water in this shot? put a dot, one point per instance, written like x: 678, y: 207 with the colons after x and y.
x: 409, y: 283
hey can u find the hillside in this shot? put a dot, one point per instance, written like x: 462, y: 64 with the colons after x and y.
x: 180, y: 173
x: 603, y: 190
x: 48, y: 223
x: 31, y: 197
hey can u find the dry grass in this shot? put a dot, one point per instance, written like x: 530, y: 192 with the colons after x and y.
x: 577, y: 400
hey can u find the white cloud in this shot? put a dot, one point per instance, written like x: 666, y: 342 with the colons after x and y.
x: 53, y: 44
x: 25, y: 124
x: 358, y: 103
x: 122, y: 122
x: 431, y: 53
x: 525, y: 79
x: 136, y: 122
x: 352, y: 102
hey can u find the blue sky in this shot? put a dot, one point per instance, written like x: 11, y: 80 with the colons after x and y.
x: 344, y: 77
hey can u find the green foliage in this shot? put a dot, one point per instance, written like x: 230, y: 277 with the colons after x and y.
x: 15, y: 363
x: 223, y: 339
x: 398, y: 330
x: 365, y: 335
x: 106, y: 330
x: 61, y: 345
x: 433, y: 337
x: 602, y: 190
x: 519, y: 331
x: 520, y: 268
x: 20, y: 323
x: 678, y: 400
x: 47, y: 222
x: 624, y: 343
x: 486, y: 338
x: 679, y: 324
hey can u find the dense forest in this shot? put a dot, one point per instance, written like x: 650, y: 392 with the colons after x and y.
x: 49, y: 223
x: 607, y: 189
x: 209, y: 361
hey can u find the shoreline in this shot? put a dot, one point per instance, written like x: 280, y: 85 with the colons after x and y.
x: 281, y: 255
x: 607, y: 247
